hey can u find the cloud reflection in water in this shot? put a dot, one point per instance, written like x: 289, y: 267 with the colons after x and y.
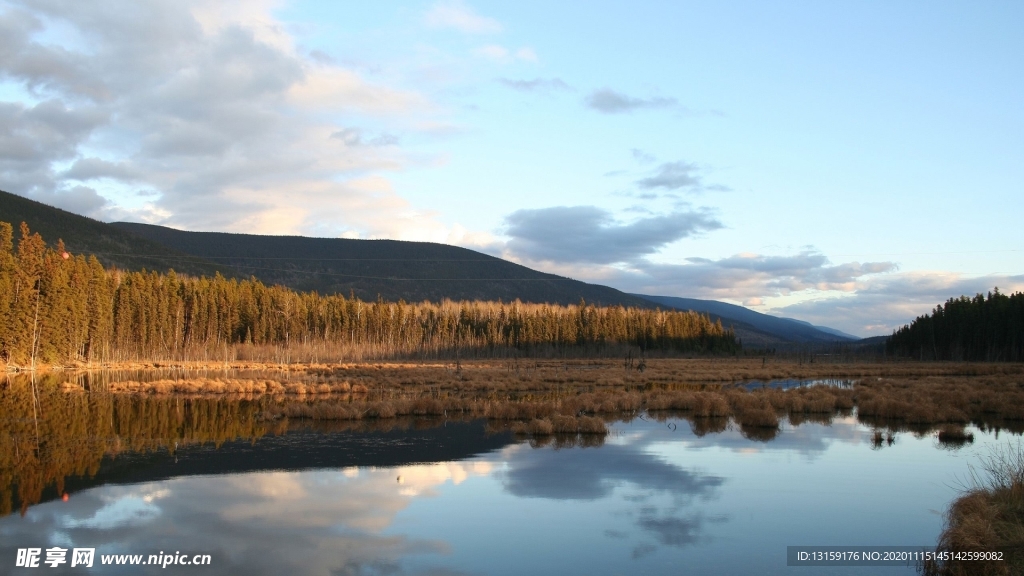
x: 633, y: 500
x: 311, y: 522
x: 655, y: 491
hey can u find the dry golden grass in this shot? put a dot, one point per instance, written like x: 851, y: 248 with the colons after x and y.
x: 658, y: 370
x: 570, y: 403
x: 987, y: 517
x: 561, y: 424
x: 895, y: 396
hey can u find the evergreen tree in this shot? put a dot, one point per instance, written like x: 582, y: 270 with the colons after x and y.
x: 59, y: 308
x: 986, y: 327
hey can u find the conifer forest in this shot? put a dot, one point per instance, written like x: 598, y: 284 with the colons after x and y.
x: 984, y: 328
x: 56, y: 308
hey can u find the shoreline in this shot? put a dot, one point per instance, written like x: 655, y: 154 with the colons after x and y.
x: 895, y: 396
x: 733, y: 368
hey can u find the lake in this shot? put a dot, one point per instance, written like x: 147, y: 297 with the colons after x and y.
x: 192, y: 477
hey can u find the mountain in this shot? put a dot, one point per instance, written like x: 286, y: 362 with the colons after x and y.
x: 763, y: 325
x: 391, y: 269
x: 112, y: 246
x: 413, y: 271
x: 833, y: 331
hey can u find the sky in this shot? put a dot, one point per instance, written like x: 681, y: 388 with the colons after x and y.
x: 847, y: 163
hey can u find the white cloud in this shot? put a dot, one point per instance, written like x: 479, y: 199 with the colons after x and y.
x: 748, y: 276
x: 212, y: 107
x: 588, y: 234
x: 860, y: 298
x: 96, y: 168
x: 326, y: 87
x: 672, y: 176
x: 457, y: 15
x: 78, y: 199
x: 881, y: 304
x: 35, y: 137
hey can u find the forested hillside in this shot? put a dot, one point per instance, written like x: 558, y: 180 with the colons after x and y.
x: 393, y: 270
x: 57, y: 308
x: 390, y: 269
x: 112, y: 246
x: 981, y: 328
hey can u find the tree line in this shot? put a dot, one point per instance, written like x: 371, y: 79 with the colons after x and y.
x: 56, y: 307
x: 984, y: 328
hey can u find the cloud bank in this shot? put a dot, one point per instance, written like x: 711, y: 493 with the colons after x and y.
x: 885, y: 303
x: 182, y: 114
x: 862, y: 298
x: 588, y: 234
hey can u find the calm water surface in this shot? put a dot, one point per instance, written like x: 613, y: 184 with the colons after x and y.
x: 453, y: 499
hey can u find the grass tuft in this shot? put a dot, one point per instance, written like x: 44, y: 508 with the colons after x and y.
x: 987, y: 517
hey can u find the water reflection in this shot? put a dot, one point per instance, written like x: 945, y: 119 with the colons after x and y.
x: 591, y: 474
x: 435, y: 496
x: 650, y: 498
x: 656, y: 495
x: 48, y: 435
x: 267, y: 523
x: 54, y: 442
x: 787, y: 383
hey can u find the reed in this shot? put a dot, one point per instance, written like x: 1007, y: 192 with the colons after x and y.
x: 576, y: 398
x: 908, y: 396
x: 535, y: 427
x: 987, y: 517
x: 561, y: 425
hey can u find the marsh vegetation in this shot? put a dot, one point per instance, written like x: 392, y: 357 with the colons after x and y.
x: 64, y: 423
x: 987, y: 517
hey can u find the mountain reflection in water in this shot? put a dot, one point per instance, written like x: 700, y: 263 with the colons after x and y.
x: 420, y: 496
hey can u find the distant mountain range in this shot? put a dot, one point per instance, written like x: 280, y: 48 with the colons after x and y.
x: 754, y: 327
x: 388, y: 269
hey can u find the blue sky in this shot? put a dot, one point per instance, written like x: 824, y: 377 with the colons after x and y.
x: 847, y: 163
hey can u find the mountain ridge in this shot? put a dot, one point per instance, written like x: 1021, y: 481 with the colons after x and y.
x: 787, y: 329
x: 370, y: 269
x: 112, y: 246
x: 389, y: 269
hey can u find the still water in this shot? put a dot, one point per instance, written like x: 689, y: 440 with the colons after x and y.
x: 454, y: 498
